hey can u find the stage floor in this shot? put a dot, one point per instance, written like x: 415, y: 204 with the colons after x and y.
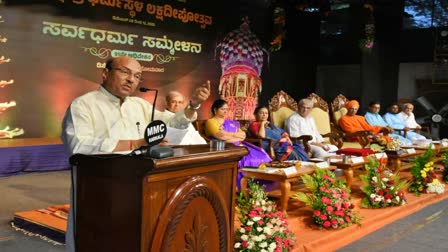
x: 40, y: 190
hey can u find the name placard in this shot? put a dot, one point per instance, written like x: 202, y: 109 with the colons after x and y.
x: 380, y: 155
x: 290, y: 170
x: 410, y: 150
x: 322, y: 165
x: 357, y: 160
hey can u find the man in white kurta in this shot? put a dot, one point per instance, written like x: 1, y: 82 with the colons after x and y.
x: 96, y: 122
x: 407, y: 120
x: 175, y: 103
x: 111, y: 120
x: 302, y: 123
x: 408, y: 116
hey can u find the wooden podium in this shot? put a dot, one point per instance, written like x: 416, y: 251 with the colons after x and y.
x: 133, y: 203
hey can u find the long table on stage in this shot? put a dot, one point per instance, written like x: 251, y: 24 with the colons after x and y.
x: 135, y: 203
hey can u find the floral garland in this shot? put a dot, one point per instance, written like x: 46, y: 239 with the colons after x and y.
x: 263, y: 227
x: 330, y: 200
x: 424, y: 177
x: 382, y: 187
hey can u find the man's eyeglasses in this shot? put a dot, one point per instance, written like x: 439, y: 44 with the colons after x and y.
x: 304, y: 107
x: 127, y: 72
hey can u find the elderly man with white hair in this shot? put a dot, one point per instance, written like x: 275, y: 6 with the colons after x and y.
x: 302, y: 123
x: 408, y: 117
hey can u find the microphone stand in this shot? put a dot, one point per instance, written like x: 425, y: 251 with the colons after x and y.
x: 153, y: 151
x: 144, y: 90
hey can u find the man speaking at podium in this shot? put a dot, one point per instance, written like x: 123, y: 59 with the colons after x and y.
x: 109, y: 119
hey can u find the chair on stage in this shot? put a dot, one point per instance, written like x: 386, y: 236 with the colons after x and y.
x: 338, y: 110
x: 281, y: 106
x: 199, y: 125
x: 321, y: 116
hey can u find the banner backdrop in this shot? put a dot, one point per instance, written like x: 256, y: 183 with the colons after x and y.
x: 51, y: 53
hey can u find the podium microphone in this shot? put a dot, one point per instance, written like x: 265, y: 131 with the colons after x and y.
x: 144, y: 90
x: 154, y: 134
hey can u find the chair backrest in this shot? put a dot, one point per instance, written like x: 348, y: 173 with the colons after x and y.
x: 320, y: 114
x: 200, y: 127
x: 281, y: 106
x: 338, y: 108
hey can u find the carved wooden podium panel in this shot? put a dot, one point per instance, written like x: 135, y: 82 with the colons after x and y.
x: 181, y: 203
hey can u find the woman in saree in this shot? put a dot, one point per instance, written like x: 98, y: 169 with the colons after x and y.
x: 217, y: 127
x: 284, y: 148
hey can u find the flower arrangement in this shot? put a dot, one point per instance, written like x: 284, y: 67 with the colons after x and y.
x: 382, y: 187
x: 386, y: 144
x: 330, y: 200
x: 424, y: 177
x: 394, y: 145
x: 263, y: 227
x: 445, y: 164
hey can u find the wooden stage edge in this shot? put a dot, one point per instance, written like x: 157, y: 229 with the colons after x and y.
x: 17, y: 142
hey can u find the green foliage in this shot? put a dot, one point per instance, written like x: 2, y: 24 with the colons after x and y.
x: 420, y: 180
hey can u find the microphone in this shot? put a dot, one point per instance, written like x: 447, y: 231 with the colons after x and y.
x: 154, y: 134
x: 144, y: 90
x: 154, y: 151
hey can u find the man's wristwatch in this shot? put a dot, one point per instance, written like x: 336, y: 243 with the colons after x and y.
x: 190, y: 106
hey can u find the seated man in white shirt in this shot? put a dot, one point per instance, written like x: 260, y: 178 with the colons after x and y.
x: 408, y: 117
x: 303, y: 124
x: 174, y: 104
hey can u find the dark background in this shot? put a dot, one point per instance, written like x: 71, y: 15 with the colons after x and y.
x: 320, y: 53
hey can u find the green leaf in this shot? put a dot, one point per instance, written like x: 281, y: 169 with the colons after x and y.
x: 305, y: 198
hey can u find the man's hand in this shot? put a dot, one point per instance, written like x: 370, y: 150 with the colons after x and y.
x: 200, y: 94
x: 390, y: 129
x: 322, y: 145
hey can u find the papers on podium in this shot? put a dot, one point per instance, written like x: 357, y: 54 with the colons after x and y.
x: 186, y: 136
